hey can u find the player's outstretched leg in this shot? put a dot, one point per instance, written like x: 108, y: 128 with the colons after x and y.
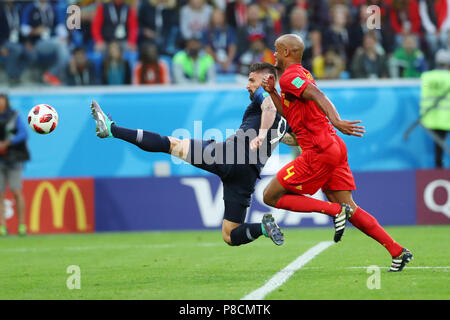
x: 102, y: 122
x: 248, y: 232
x: 146, y: 140
x: 398, y: 263
x: 272, y: 230
x: 340, y: 222
x: 366, y: 223
x: 235, y: 232
x: 275, y: 195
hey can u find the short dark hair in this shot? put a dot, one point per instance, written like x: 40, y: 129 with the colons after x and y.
x: 5, y: 96
x: 78, y: 50
x: 263, y: 66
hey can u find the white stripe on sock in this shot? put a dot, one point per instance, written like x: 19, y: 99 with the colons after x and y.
x: 249, y: 235
x: 140, y: 135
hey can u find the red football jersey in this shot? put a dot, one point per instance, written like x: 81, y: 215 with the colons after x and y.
x: 308, y: 122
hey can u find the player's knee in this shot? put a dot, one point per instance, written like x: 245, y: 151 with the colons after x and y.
x: 227, y: 237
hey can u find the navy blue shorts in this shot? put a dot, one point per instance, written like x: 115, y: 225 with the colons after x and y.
x: 238, y: 179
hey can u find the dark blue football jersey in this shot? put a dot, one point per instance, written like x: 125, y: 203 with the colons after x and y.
x: 249, y: 129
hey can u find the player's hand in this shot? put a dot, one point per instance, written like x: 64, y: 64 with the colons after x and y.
x: 350, y: 128
x: 256, y: 143
x: 268, y: 83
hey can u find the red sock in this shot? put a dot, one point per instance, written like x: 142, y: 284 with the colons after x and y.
x: 301, y: 203
x: 370, y: 226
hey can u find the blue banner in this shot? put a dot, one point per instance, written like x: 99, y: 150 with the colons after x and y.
x: 193, y: 203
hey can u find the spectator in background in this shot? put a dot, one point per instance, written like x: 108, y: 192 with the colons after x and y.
x: 435, y: 19
x: 194, y: 18
x: 220, y: 4
x: 80, y: 71
x: 193, y: 64
x: 158, y: 24
x: 254, y: 26
x: 236, y: 13
x: 11, y: 50
x: 360, y: 28
x: 83, y: 37
x: 258, y: 52
x: 369, y: 62
x: 337, y: 36
x: 150, y: 69
x: 435, y: 88
x: 435, y: 92
x: 45, y: 36
x: 299, y: 25
x: 115, y: 21
x: 115, y: 69
x: 404, y: 18
x: 272, y: 11
x: 220, y: 42
x: 318, y: 12
x: 446, y: 45
x: 407, y: 61
x: 330, y: 65
x: 13, y: 154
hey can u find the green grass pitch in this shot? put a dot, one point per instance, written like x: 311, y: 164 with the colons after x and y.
x: 199, y: 265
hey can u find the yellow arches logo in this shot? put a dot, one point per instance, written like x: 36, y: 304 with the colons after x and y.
x: 57, y: 201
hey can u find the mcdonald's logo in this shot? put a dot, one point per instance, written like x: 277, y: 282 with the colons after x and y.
x: 80, y: 209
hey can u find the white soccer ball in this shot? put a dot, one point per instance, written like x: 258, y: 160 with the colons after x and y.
x: 42, y: 119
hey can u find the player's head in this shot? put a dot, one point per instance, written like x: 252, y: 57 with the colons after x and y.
x: 79, y: 57
x: 4, y: 102
x: 288, y: 50
x: 256, y: 75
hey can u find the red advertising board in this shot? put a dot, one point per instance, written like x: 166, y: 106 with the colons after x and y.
x: 55, y: 206
x: 433, y: 196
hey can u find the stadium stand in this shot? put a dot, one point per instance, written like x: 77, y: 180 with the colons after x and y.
x: 334, y: 33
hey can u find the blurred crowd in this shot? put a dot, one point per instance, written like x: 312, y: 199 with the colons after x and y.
x: 199, y: 41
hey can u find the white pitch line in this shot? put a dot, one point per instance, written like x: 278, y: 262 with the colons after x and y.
x: 113, y: 247
x: 125, y: 246
x: 405, y: 267
x: 278, y: 279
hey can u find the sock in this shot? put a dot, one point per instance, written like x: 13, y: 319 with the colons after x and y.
x: 301, y: 203
x: 146, y: 140
x: 370, y: 226
x: 245, y: 233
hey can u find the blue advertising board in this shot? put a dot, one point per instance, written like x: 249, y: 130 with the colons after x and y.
x: 193, y: 203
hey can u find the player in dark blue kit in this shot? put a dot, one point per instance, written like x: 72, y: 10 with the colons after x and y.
x: 238, y: 161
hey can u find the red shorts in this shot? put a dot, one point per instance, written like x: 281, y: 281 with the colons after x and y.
x: 313, y: 170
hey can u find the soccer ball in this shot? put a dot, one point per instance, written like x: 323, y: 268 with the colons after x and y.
x: 42, y: 119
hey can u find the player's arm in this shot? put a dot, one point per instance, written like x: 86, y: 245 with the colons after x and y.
x: 350, y: 128
x: 268, y: 116
x: 269, y: 85
x: 290, y: 139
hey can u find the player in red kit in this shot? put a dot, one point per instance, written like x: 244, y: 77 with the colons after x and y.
x: 323, y: 162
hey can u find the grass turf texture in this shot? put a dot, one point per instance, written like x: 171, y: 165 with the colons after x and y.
x: 198, y: 265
